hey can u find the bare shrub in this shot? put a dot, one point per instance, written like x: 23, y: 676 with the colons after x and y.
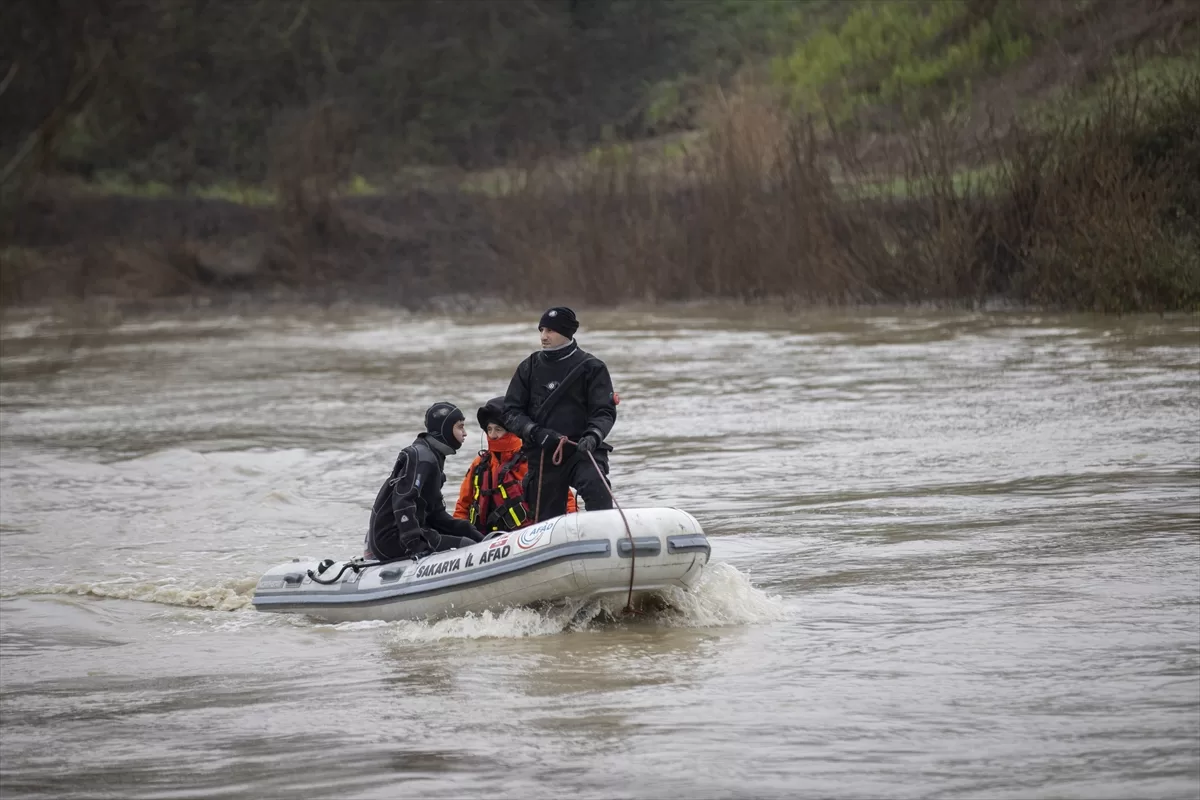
x: 751, y: 214
x: 1097, y: 214
x: 1100, y: 213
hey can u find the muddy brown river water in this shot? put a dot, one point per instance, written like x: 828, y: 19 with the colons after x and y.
x: 954, y: 555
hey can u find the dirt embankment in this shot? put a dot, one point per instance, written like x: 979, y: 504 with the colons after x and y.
x: 398, y: 248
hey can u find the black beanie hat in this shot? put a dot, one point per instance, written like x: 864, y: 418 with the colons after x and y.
x: 439, y: 422
x: 561, y: 319
x: 491, y: 411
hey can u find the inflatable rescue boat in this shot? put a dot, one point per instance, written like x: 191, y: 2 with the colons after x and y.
x: 572, y: 557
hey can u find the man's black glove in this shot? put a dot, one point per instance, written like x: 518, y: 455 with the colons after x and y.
x: 588, y: 442
x: 545, y: 438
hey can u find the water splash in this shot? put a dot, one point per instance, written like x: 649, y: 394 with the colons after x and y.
x: 511, y: 623
x: 231, y: 595
x: 724, y: 596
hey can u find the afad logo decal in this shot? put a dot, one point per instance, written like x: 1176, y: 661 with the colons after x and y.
x: 531, y: 536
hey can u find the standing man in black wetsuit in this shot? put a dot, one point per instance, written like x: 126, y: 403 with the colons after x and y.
x: 562, y: 391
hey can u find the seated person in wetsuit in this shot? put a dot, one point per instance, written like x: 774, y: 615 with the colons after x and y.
x: 491, y: 497
x: 409, y: 517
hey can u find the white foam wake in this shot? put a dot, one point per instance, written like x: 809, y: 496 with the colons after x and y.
x: 511, y: 623
x: 232, y: 595
x: 724, y: 596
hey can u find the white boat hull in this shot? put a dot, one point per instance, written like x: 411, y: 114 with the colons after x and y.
x: 573, y: 557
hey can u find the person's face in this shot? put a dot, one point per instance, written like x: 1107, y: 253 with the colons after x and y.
x: 494, y: 431
x: 552, y: 338
x: 460, y: 431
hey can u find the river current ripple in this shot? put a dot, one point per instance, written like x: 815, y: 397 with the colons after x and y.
x: 955, y: 555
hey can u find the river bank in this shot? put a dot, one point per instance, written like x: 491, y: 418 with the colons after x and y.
x: 1096, y: 211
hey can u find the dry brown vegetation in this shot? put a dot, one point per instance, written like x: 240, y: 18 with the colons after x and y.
x: 1099, y: 213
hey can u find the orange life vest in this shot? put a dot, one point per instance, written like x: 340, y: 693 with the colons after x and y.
x: 500, y: 507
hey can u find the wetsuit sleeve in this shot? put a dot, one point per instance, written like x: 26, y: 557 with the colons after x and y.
x: 466, y: 493
x: 437, y: 518
x: 516, y: 403
x: 440, y: 520
x: 602, y: 411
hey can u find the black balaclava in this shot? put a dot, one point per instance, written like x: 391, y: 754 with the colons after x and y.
x: 439, y: 422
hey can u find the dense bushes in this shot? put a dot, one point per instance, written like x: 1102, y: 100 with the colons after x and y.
x: 917, y: 57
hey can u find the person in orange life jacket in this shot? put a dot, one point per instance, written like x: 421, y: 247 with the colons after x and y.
x: 491, y: 497
x: 562, y: 391
x: 409, y: 516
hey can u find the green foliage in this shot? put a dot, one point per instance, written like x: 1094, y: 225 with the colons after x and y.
x: 236, y: 193
x: 665, y: 105
x: 1146, y: 78
x: 360, y: 186
x: 964, y: 181
x: 110, y: 183
x: 917, y: 56
x: 720, y: 37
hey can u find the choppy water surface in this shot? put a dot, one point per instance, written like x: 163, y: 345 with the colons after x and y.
x: 954, y: 556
